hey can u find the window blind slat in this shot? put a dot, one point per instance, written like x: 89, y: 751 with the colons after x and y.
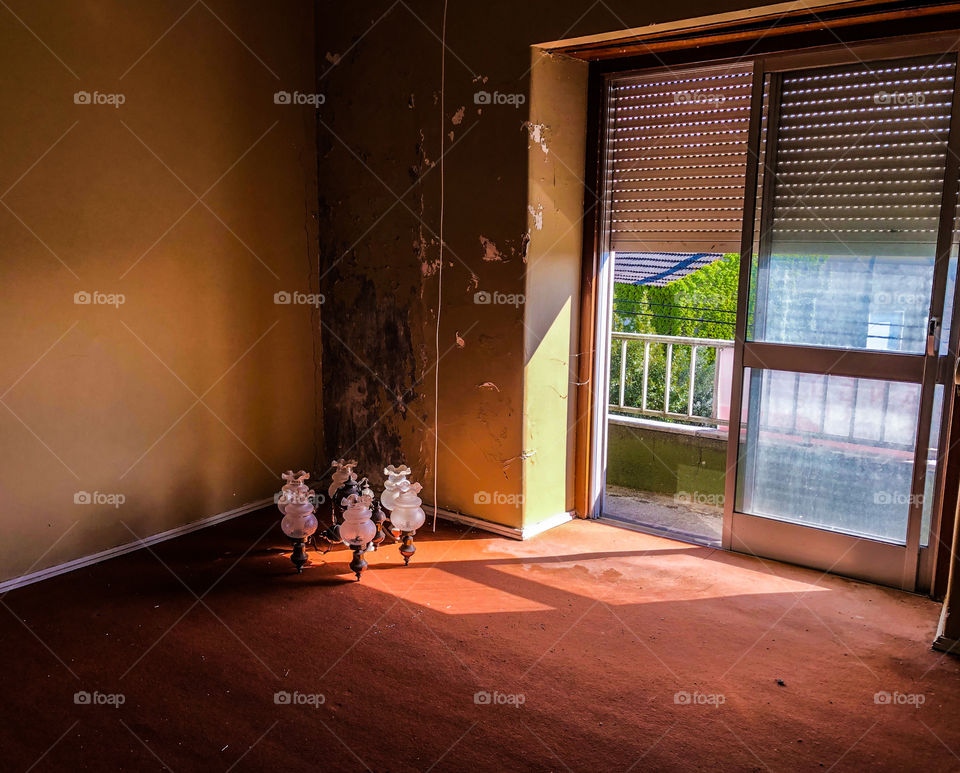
x: 678, y: 144
x: 860, y: 159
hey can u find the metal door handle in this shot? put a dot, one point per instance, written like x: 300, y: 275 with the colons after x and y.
x: 933, y: 336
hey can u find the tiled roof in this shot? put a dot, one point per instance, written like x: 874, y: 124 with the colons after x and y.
x: 658, y: 268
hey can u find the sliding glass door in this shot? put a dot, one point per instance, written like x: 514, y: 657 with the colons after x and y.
x: 840, y: 357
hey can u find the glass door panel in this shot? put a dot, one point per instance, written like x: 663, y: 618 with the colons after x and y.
x: 841, y: 304
x: 829, y: 452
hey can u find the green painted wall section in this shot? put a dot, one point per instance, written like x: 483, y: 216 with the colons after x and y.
x: 667, y: 462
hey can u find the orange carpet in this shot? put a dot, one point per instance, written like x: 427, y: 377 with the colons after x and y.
x: 589, y: 648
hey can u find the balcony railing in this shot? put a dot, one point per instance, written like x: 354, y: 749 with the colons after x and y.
x: 704, y: 367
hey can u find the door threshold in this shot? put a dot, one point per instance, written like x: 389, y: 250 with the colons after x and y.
x: 655, y: 531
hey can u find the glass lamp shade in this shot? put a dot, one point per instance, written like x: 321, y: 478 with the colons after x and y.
x: 342, y: 473
x: 358, y: 527
x: 292, y: 492
x: 388, y: 497
x: 393, y: 485
x: 298, y: 522
x: 295, y: 490
x: 407, y: 515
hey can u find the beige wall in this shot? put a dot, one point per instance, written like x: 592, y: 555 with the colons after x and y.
x: 97, y: 398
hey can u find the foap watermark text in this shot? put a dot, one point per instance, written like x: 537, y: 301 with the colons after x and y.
x: 484, y: 298
x: 296, y: 298
x: 496, y: 98
x: 298, y: 98
x: 495, y: 698
x: 698, y: 97
x: 98, y: 98
x: 696, y: 698
x: 284, y: 698
x: 884, y: 698
x: 97, y: 298
x: 288, y: 497
x: 98, y: 498
x: 497, y: 498
x: 698, y: 498
x: 897, y: 498
x: 84, y: 698
x: 899, y: 98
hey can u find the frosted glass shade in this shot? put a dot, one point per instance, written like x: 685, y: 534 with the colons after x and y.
x: 395, y: 483
x: 407, y: 515
x: 298, y: 522
x: 408, y: 519
x: 358, y: 527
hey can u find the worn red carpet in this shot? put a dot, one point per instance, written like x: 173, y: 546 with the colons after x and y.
x: 589, y: 648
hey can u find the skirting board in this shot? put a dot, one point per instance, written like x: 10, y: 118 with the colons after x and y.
x: 504, y: 531
x: 105, y: 555
x: 96, y: 558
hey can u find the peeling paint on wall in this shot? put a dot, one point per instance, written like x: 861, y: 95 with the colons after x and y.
x: 428, y: 266
x: 458, y: 116
x: 488, y: 385
x: 506, y: 463
x: 537, y: 215
x: 460, y: 342
x: 490, y: 251
x: 334, y: 59
x: 538, y: 134
x: 423, y: 161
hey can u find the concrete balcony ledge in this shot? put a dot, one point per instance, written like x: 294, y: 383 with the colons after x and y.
x: 663, y: 426
x: 653, y: 456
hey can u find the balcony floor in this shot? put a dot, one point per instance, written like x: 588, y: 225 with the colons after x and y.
x: 665, y: 514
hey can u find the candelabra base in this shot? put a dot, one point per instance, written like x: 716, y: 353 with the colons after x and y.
x: 407, y: 548
x: 359, y: 563
x: 299, y: 555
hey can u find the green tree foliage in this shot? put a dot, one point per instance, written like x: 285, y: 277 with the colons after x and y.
x: 703, y: 305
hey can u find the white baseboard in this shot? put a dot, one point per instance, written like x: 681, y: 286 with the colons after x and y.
x: 78, y: 563
x: 497, y: 528
x: 546, y: 524
x: 96, y: 558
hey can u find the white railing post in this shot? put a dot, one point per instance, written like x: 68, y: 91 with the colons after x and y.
x: 667, y: 379
x: 690, y: 384
x: 716, y: 383
x: 623, y: 406
x: 646, y: 372
x: 623, y: 372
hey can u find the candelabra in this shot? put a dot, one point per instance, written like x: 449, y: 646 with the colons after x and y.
x: 407, y: 516
x: 357, y: 516
x: 358, y: 530
x: 299, y: 523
